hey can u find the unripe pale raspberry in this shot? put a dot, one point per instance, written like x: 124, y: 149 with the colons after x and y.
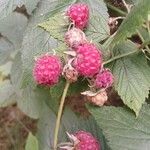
x: 104, y: 79
x: 70, y: 74
x: 88, y: 61
x: 75, y: 37
x: 79, y: 15
x: 99, y: 99
x: 86, y: 141
x: 47, y: 70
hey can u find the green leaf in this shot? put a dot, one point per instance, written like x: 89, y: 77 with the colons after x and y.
x: 8, y: 6
x: 18, y: 23
x: 6, y: 48
x: 32, y: 101
x: 10, y: 92
x: 98, y: 28
x: 55, y: 95
x: 55, y: 26
x: 121, y: 129
x: 98, y: 7
x: 6, y: 93
x: 131, y: 76
x: 133, y: 21
x: 5, y: 69
x: 16, y: 72
x: 79, y: 86
x: 61, y: 48
x: 32, y: 143
x: 46, y: 126
x: 60, y: 6
x: 57, y: 90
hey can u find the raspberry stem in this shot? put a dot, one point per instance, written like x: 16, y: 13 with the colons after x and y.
x: 60, y: 110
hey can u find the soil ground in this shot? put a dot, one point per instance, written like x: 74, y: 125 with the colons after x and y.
x: 14, y: 128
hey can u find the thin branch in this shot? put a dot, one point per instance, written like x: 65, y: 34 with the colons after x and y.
x: 126, y: 5
x: 116, y: 9
x: 60, y: 110
x: 143, y: 40
x: 120, y: 56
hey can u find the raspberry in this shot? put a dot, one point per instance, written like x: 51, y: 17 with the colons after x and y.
x: 86, y: 141
x: 99, y: 99
x: 104, y: 79
x: 88, y: 61
x: 75, y: 37
x: 47, y: 70
x: 79, y: 15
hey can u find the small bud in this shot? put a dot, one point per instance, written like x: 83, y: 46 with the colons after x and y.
x: 70, y: 73
x: 75, y: 37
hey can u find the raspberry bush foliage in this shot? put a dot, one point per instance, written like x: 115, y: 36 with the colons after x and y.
x: 54, y: 51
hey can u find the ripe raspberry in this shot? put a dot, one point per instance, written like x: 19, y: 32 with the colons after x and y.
x: 99, y: 99
x: 104, y: 79
x: 75, y: 37
x: 79, y: 15
x: 86, y: 141
x: 88, y: 61
x: 47, y: 70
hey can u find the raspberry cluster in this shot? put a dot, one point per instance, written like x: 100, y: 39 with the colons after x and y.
x: 88, y: 60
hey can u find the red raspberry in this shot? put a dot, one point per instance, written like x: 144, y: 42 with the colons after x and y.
x: 75, y: 37
x: 79, y: 15
x: 104, y: 79
x: 47, y: 70
x: 86, y: 141
x: 88, y: 61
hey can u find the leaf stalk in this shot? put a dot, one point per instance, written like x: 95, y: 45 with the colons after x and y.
x: 119, y: 57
